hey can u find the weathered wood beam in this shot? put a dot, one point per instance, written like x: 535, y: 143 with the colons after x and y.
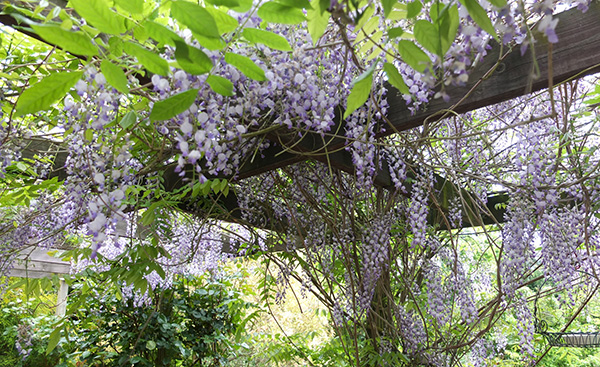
x: 501, y: 76
x: 498, y: 78
x: 33, y: 262
x: 227, y: 207
x: 576, y: 54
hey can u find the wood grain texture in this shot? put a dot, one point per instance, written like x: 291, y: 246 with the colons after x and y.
x: 576, y: 54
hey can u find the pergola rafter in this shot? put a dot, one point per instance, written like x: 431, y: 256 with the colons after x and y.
x: 502, y: 75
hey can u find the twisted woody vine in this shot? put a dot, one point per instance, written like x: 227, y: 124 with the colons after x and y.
x: 198, y: 131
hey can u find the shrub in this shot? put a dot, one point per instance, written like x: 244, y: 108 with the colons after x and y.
x: 183, y: 325
x: 9, y: 356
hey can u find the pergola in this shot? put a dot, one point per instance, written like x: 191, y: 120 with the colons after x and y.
x: 502, y: 75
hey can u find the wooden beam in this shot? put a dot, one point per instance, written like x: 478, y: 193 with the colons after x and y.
x: 576, y: 54
x: 36, y: 263
x: 501, y: 76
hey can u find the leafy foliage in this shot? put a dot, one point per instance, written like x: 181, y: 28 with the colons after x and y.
x: 178, y: 325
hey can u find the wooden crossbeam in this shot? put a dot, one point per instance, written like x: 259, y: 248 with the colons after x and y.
x: 501, y: 76
x: 36, y: 263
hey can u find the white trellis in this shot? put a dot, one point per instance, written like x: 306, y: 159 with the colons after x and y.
x: 34, y: 262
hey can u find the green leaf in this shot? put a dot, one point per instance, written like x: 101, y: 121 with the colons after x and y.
x: 480, y: 16
x: 397, y: 15
x: 114, y: 76
x: 246, y: 66
x: 196, y: 189
x: 148, y: 59
x: 245, y: 5
x: 437, y: 37
x: 300, y: 4
x: 215, y: 185
x: 366, y: 17
x: 227, y: 3
x: 53, y: 340
x: 89, y: 135
x: 160, y: 270
x: 448, y: 26
x: 191, y: 59
x: 136, y: 359
x: 128, y: 120
x: 413, y: 9
x: 173, y: 106
x: 368, y: 28
x: 149, y: 215
x: 428, y: 36
x: 370, y: 45
x: 225, y: 22
x: 22, y: 166
x: 210, y: 43
x: 115, y: 46
x: 388, y: 5
x: 206, y: 188
x: 49, y: 90
x: 267, y: 38
x: 395, y: 32
x: 360, y: 91
x: 75, y: 42
x: 196, y: 18
x: 160, y: 33
x: 220, y: 85
x: 140, y: 34
x: 436, y: 11
x: 280, y: 13
x: 132, y: 6
x: 323, y: 5
x: 395, y: 78
x: 498, y: 3
x: 150, y: 345
x: 141, y: 105
x: 317, y: 21
x: 98, y: 14
x: 413, y: 55
x: 224, y: 184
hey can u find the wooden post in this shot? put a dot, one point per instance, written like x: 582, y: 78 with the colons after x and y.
x: 61, y: 299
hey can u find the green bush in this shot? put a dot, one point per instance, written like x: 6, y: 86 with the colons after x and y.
x: 185, y: 324
x: 9, y: 356
x: 25, y: 337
